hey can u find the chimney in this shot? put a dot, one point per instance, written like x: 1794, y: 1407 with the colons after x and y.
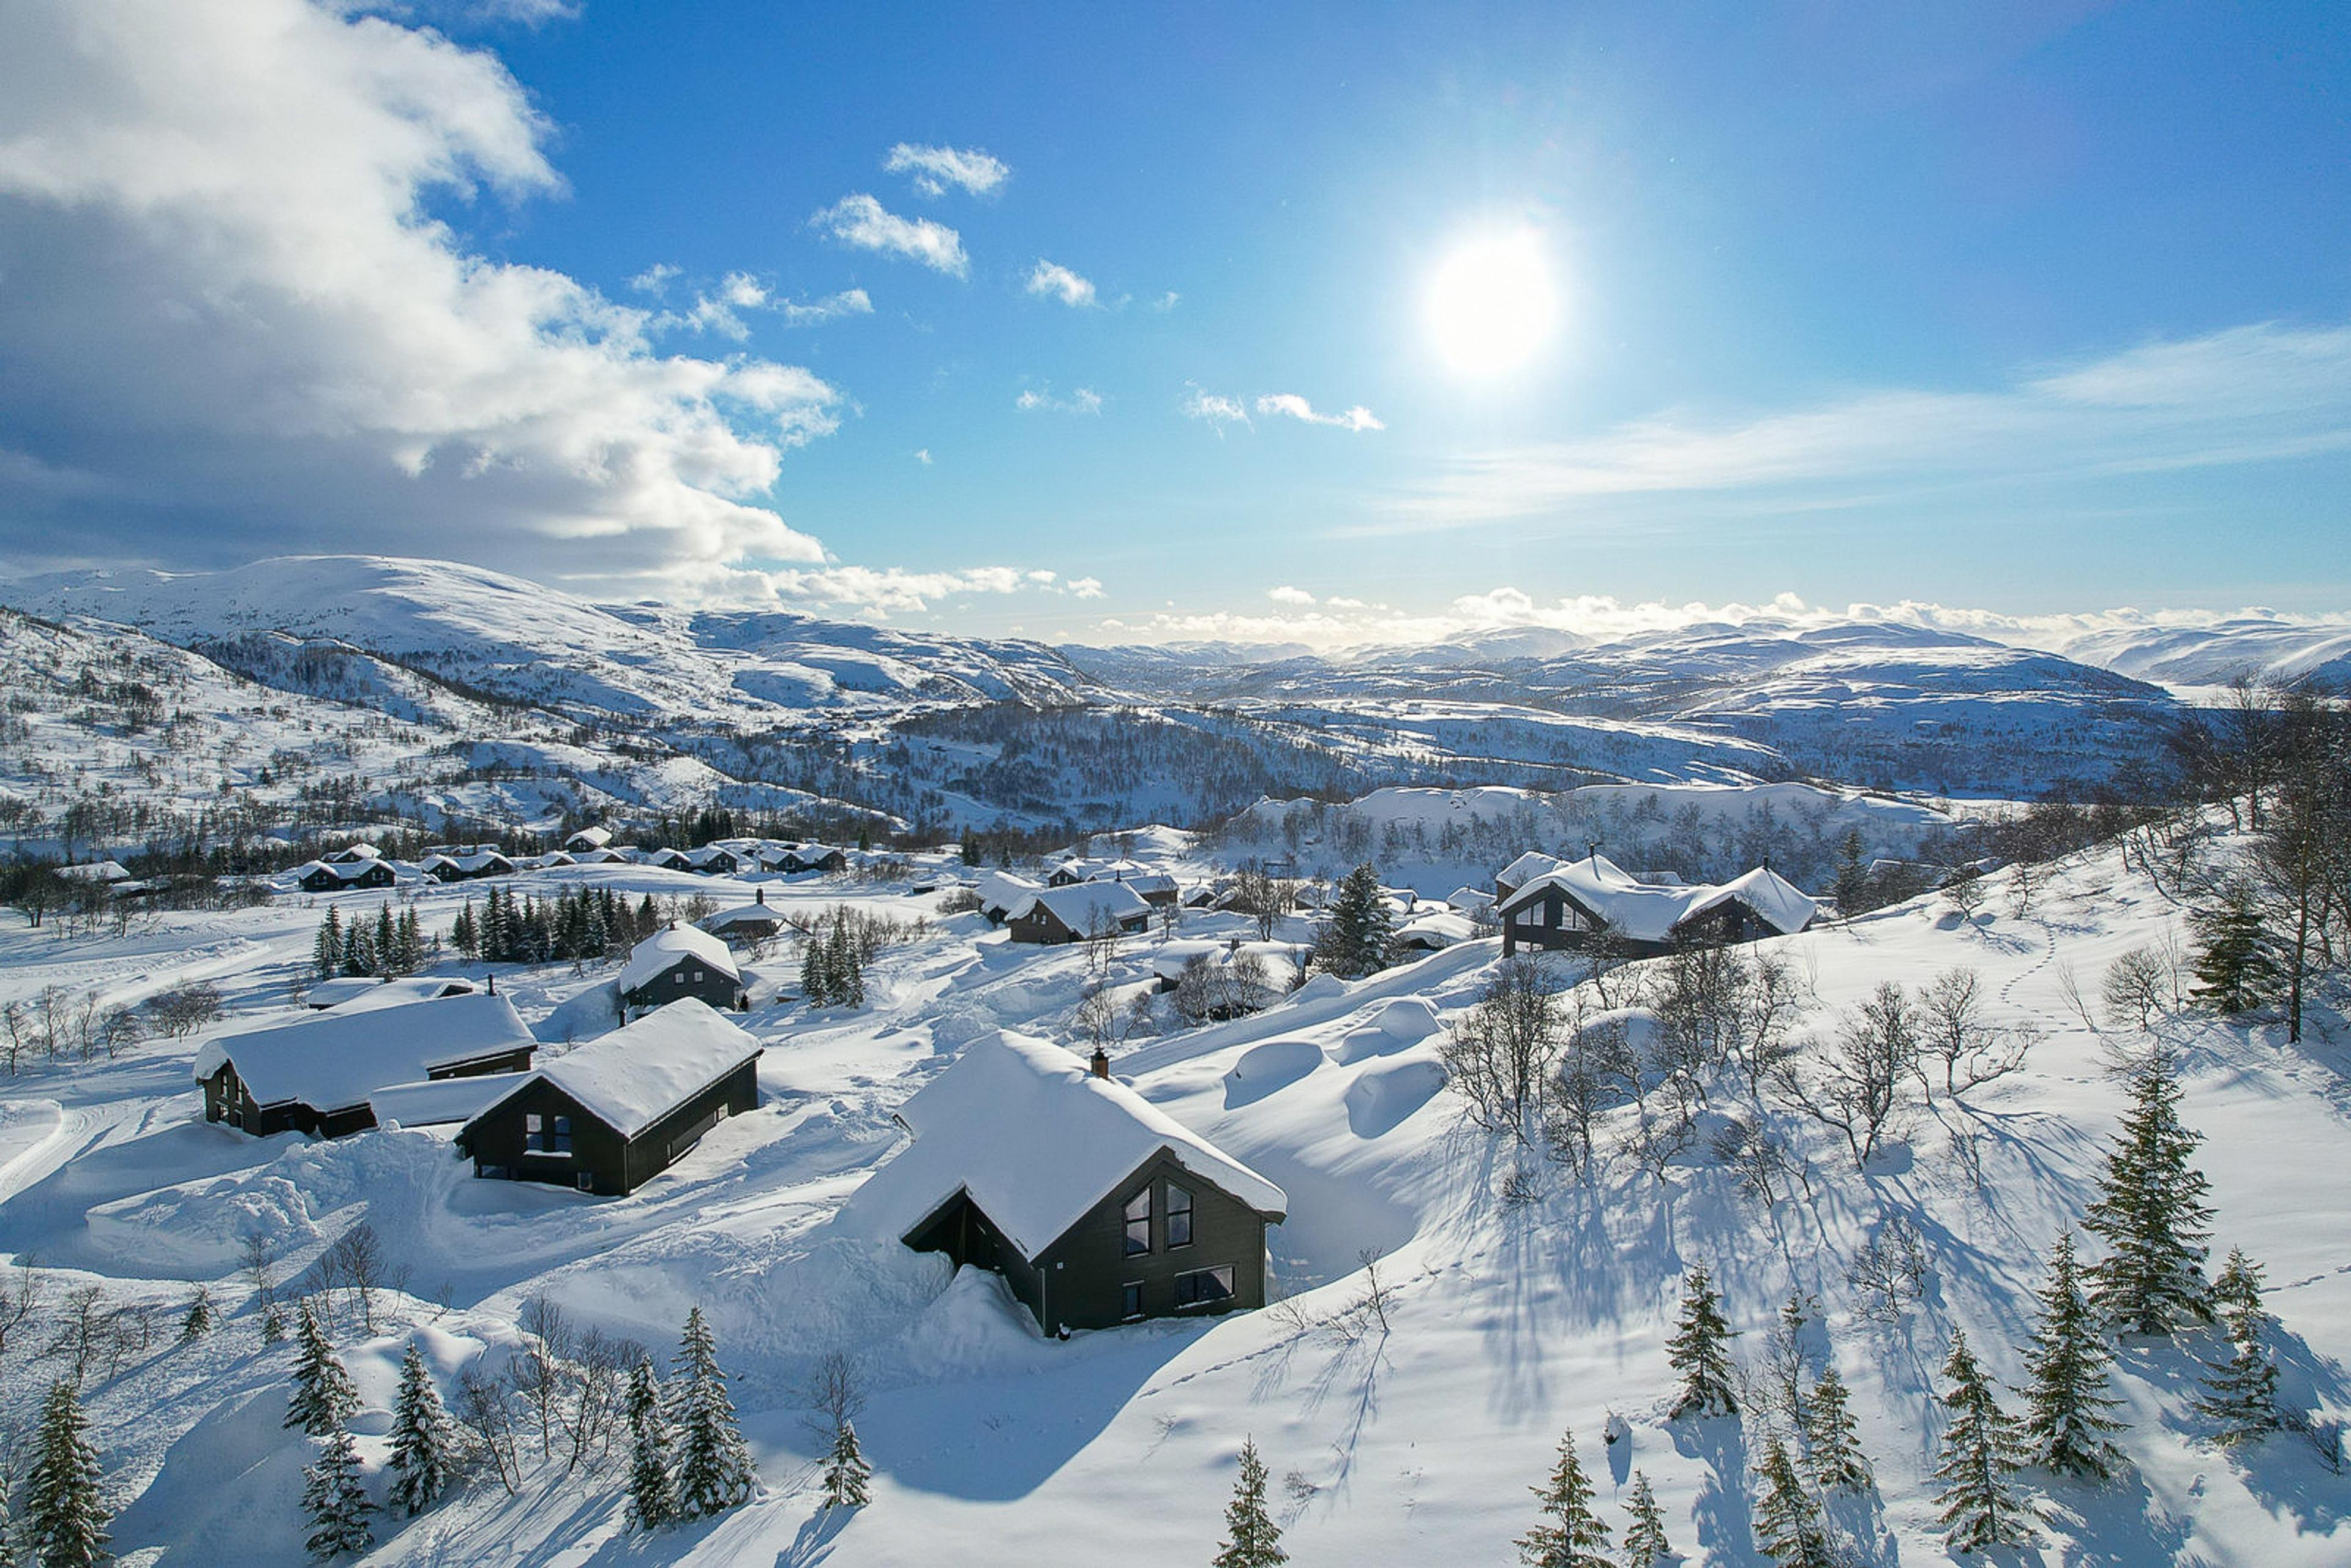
x: 760, y: 895
x: 492, y: 982
x: 1100, y: 1064
x: 1591, y: 849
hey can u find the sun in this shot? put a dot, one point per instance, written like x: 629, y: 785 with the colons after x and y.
x: 1491, y: 305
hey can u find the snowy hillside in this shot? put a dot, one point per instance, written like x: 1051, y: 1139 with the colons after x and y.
x: 1518, y: 1298
x: 2214, y: 655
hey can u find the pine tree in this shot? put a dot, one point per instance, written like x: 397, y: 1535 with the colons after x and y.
x: 1700, y: 1351
x: 1646, y: 1546
x: 335, y: 1501
x: 1251, y: 1537
x: 649, y: 1495
x: 2151, y: 1215
x: 424, y: 1439
x: 1355, y: 938
x: 2232, y: 955
x: 465, y: 934
x: 2066, y: 1422
x: 387, y: 940
x: 326, y: 953
x: 1831, y: 1437
x: 1980, y: 1454
x: 323, y: 1396
x: 846, y: 1472
x: 1571, y: 1535
x: 2240, y: 1393
x: 65, y: 1518
x: 714, y: 1468
x: 199, y: 1320
x: 1788, y: 1525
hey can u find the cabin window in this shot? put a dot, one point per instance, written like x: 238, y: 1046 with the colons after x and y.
x: 1138, y: 1223
x: 546, y: 1135
x: 1179, y: 1217
x: 1130, y: 1300
x: 1202, y: 1285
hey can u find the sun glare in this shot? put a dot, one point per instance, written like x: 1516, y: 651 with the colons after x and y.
x: 1491, y: 305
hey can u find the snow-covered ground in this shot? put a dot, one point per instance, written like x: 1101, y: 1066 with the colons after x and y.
x: 1509, y: 1318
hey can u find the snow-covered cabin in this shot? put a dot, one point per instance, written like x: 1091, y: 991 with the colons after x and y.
x: 1567, y: 907
x: 346, y: 990
x: 1521, y: 872
x: 1001, y: 890
x: 470, y: 865
x: 314, y: 1074
x: 96, y: 871
x: 334, y: 876
x: 754, y: 922
x: 719, y: 860
x: 612, y: 1114
x: 680, y: 962
x: 1059, y: 915
x: 1470, y: 900
x: 352, y: 853
x: 1432, y: 930
x: 589, y: 838
x: 796, y: 858
x: 1096, y: 1207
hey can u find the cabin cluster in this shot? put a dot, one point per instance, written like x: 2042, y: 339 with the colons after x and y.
x: 1553, y: 904
x: 362, y: 865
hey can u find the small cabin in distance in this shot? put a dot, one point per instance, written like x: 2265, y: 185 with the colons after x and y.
x: 679, y: 962
x: 1075, y: 912
x: 1096, y: 1207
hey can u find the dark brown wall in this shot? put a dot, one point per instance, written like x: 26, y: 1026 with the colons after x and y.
x: 615, y: 1166
x: 715, y: 986
x: 1084, y: 1271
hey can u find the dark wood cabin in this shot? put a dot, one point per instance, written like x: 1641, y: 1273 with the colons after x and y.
x: 678, y: 963
x: 315, y: 1075
x: 1063, y: 915
x: 333, y: 877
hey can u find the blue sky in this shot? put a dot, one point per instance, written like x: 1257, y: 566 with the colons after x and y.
x: 2031, y: 307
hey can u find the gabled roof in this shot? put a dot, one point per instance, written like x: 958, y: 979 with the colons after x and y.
x: 441, y: 1102
x: 743, y: 915
x: 342, y: 871
x: 1000, y: 890
x: 478, y: 859
x: 1470, y: 900
x: 95, y: 870
x: 1077, y: 905
x: 634, y: 1076
x: 333, y: 1061
x: 664, y: 948
x: 1527, y: 867
x: 590, y: 838
x: 366, y: 990
x: 1037, y: 1141
x: 1437, y: 926
x: 1776, y: 901
x: 1648, y: 911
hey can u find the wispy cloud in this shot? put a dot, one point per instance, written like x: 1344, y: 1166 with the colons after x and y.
x: 923, y: 455
x: 1085, y: 400
x: 2254, y: 394
x: 1286, y: 594
x: 936, y: 168
x: 1290, y: 405
x: 1213, y: 409
x: 1167, y: 301
x: 1050, y: 277
x: 863, y: 222
x: 653, y: 280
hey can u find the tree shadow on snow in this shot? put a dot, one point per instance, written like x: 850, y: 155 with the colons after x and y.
x: 2120, y: 1523
x: 815, y: 1541
x: 1722, y: 1516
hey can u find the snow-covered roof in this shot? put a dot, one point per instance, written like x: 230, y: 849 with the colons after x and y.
x: 1470, y: 900
x: 440, y: 1101
x: 601, y: 857
x: 1527, y: 867
x: 1437, y: 928
x: 361, y: 851
x: 664, y: 948
x: 1079, y: 904
x: 634, y: 1076
x: 743, y: 915
x: 1000, y: 890
x: 1142, y: 882
x: 96, y: 871
x: 709, y: 854
x: 1648, y: 911
x: 341, y: 871
x: 589, y: 838
x: 334, y: 1060
x: 470, y: 863
x: 1776, y: 901
x: 1037, y: 1141
x: 352, y: 990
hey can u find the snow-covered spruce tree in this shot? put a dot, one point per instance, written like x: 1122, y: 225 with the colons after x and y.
x: 2233, y: 967
x: 1788, y: 1525
x: 1832, y: 1438
x: 2151, y: 1215
x: 1646, y: 1546
x: 650, y: 1503
x: 1570, y: 1535
x: 846, y: 1473
x: 1355, y: 938
x: 65, y: 1518
x: 327, y: 952
x: 198, y: 1321
x: 848, y: 963
x: 424, y: 1439
x: 334, y: 1500
x: 1980, y: 1454
x: 323, y: 1396
x: 1700, y: 1351
x: 816, y: 975
x: 2065, y: 1423
x: 1251, y: 1537
x: 714, y: 1468
x: 2240, y: 1394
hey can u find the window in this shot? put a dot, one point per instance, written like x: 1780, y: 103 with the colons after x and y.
x: 1202, y: 1285
x: 1130, y: 1301
x: 546, y: 1135
x: 1138, y: 1223
x: 1179, y: 1217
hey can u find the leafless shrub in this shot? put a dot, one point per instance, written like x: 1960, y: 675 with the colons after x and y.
x: 2133, y: 990
x: 1888, y: 1273
x: 1499, y: 1056
x: 835, y: 1394
x: 179, y: 1013
x: 20, y: 1298
x: 486, y: 1411
x: 1954, y: 1030
x: 1859, y: 1085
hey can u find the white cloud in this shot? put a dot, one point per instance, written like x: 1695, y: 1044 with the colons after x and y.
x: 1085, y: 400
x: 923, y: 455
x: 1085, y: 587
x: 936, y: 168
x: 830, y: 308
x: 653, y: 280
x: 1286, y: 594
x: 1167, y: 301
x: 879, y: 591
x: 1290, y: 405
x: 227, y: 293
x: 2248, y: 395
x: 1213, y: 409
x: 863, y: 222
x: 1051, y: 277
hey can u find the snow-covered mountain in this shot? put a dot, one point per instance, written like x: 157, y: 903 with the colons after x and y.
x: 2213, y: 655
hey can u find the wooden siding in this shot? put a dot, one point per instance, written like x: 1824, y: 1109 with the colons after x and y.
x: 716, y: 987
x: 612, y: 1165
x: 226, y: 1099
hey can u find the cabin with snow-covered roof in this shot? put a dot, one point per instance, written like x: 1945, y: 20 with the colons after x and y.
x: 1000, y: 892
x: 334, y: 876
x: 1072, y: 913
x: 1575, y: 904
x: 315, y: 1075
x: 680, y: 961
x: 371, y: 990
x: 757, y: 921
x: 1096, y: 1207
x: 589, y: 838
x: 612, y: 1114
x: 468, y: 866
